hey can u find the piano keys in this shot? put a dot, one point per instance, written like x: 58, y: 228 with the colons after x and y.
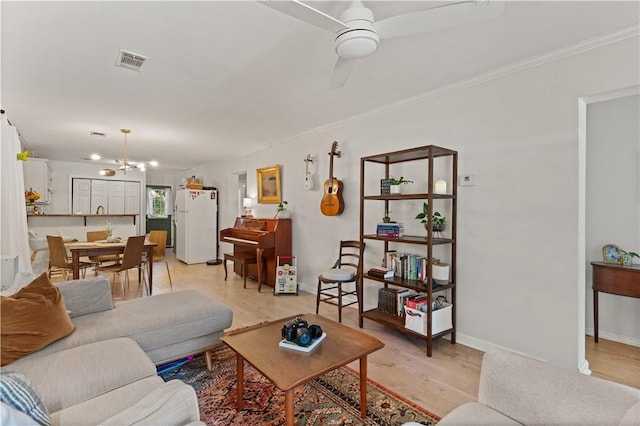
x: 267, y: 238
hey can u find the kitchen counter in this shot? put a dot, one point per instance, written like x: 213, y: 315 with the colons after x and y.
x: 85, y: 216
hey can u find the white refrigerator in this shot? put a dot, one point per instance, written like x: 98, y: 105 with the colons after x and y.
x: 196, y: 216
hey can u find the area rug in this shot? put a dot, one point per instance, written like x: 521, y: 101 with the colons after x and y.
x: 333, y: 399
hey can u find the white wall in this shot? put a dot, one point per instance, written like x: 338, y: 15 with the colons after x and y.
x: 613, y: 206
x: 518, y: 250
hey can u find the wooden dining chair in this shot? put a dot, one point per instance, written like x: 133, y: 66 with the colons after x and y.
x: 58, y: 259
x: 159, y: 251
x: 131, y: 259
x: 101, y: 236
x: 345, y: 270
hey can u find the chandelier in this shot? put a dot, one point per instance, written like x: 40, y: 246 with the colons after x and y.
x: 124, y: 164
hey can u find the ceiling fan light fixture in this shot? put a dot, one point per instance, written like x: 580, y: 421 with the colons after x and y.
x: 358, y: 43
x: 107, y: 172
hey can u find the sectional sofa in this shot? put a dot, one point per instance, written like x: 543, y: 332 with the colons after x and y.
x: 104, y: 372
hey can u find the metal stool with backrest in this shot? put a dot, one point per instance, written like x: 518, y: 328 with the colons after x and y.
x: 346, y: 270
x: 131, y: 259
x: 160, y: 238
x: 58, y: 258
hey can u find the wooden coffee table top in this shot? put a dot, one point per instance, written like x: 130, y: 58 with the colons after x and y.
x: 288, y: 368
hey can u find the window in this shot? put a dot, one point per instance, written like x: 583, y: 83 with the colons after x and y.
x: 158, y: 201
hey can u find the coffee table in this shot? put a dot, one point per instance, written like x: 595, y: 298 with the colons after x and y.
x: 288, y: 369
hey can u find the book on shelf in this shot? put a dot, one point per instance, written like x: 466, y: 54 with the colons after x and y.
x: 390, y: 230
x: 381, y: 272
x: 388, y: 258
x: 401, y: 299
x: 387, y: 300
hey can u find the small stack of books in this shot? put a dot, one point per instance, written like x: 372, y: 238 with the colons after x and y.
x: 381, y: 272
x: 390, y: 230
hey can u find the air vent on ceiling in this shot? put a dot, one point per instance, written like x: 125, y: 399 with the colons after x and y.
x: 92, y: 133
x: 130, y: 60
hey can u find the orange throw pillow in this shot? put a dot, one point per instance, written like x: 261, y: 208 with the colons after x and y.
x: 31, y: 319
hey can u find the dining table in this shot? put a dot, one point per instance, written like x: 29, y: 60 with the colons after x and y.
x: 98, y: 248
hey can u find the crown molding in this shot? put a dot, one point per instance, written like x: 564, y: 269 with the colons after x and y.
x: 532, y: 62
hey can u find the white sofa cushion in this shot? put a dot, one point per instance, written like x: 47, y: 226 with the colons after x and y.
x: 86, y: 296
x: 170, y: 404
x: 78, y: 374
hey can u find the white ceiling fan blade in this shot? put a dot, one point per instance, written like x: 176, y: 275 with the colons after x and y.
x: 306, y: 13
x: 341, y: 72
x: 439, y: 18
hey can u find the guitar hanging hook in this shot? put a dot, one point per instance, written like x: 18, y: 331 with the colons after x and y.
x: 308, y: 182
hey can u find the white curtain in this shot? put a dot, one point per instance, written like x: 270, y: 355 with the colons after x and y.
x: 13, y: 230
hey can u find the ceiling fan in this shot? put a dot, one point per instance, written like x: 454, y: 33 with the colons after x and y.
x: 358, y: 33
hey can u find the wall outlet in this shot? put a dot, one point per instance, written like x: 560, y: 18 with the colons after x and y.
x: 467, y: 180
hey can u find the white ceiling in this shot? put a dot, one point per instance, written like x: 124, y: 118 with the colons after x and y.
x: 232, y: 77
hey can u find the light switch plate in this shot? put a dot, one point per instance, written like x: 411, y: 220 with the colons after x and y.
x: 467, y: 180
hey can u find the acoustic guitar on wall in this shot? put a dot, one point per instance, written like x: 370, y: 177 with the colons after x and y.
x: 332, y: 203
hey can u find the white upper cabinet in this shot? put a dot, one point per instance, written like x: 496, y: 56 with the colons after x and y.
x: 82, y: 196
x: 132, y: 197
x: 37, y: 177
x: 116, y: 197
x: 99, y: 196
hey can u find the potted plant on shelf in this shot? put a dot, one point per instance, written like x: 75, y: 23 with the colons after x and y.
x: 386, y: 218
x: 396, y: 182
x: 438, y: 220
x: 281, y: 211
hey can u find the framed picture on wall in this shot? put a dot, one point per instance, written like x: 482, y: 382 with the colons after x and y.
x: 269, y: 184
x: 611, y: 253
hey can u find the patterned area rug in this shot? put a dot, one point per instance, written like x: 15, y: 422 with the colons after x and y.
x: 333, y: 399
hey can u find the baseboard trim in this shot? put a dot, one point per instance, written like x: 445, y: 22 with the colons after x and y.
x: 484, y: 345
x: 584, y: 368
x: 620, y: 338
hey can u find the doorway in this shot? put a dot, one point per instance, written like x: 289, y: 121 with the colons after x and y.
x: 597, y: 147
x: 159, y: 210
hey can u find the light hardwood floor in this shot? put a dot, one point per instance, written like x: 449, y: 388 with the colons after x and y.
x: 440, y: 383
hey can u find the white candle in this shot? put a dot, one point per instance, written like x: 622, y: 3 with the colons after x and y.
x: 440, y: 187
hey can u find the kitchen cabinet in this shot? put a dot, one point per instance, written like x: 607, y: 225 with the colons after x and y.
x: 37, y: 176
x: 114, y: 196
x: 99, y: 196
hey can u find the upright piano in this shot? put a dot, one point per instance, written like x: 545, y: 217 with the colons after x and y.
x: 268, y: 238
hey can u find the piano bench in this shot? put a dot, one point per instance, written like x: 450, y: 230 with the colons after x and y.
x: 243, y: 259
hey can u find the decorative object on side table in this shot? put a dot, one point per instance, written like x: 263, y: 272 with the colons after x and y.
x: 611, y: 254
x: 627, y: 257
x: 395, y: 184
x: 439, y: 221
x: 281, y: 211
